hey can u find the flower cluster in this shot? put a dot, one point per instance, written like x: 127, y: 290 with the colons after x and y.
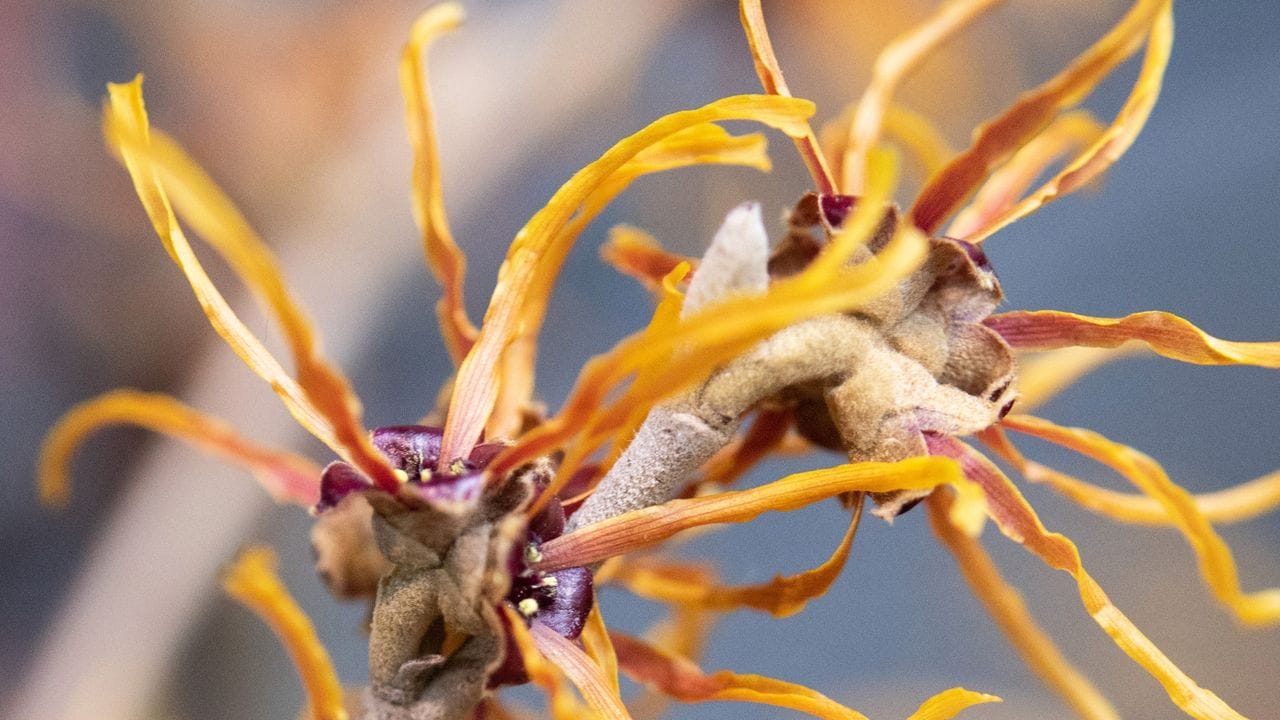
x: 479, y: 540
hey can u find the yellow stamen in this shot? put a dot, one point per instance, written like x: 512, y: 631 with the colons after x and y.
x: 252, y: 581
x: 287, y: 477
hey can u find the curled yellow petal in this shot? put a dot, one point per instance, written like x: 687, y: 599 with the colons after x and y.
x: 634, y: 253
x: 914, y: 132
x: 892, y: 66
x: 252, y: 580
x: 1217, y: 566
x: 1068, y: 133
x: 783, y: 596
x: 642, y: 528
x: 321, y: 398
x: 444, y: 258
x: 1017, y: 520
x: 770, y: 74
x: 701, y: 144
x: 1165, y: 333
x: 679, y: 678
x: 287, y: 477
x: 949, y: 703
x: 707, y: 339
x: 999, y: 137
x: 530, y: 257
x: 1235, y: 504
x: 919, y: 136
x: 1005, y: 606
x: 1042, y: 377
x: 1113, y: 143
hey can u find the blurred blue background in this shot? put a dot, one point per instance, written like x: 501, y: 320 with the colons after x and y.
x: 111, y: 606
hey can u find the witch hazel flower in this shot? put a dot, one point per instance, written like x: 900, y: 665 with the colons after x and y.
x: 480, y: 540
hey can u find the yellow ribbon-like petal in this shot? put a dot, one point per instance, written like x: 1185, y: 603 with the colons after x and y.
x: 530, y: 258
x: 287, y: 477
x: 635, y: 253
x: 1006, y: 608
x: 892, y: 66
x: 1069, y: 133
x: 1001, y: 136
x: 444, y: 258
x: 949, y: 703
x: 705, y: 340
x: 1042, y: 377
x: 702, y: 144
x: 783, y: 596
x: 1217, y: 566
x: 321, y: 398
x: 586, y: 675
x: 563, y: 704
x: 1113, y: 143
x: 1235, y: 504
x: 639, y: 529
x: 679, y: 678
x: 252, y: 580
x: 1165, y: 333
x: 595, y: 640
x: 770, y: 74
x: 1019, y: 522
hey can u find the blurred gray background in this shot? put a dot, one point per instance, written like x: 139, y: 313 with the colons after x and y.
x: 111, y: 607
